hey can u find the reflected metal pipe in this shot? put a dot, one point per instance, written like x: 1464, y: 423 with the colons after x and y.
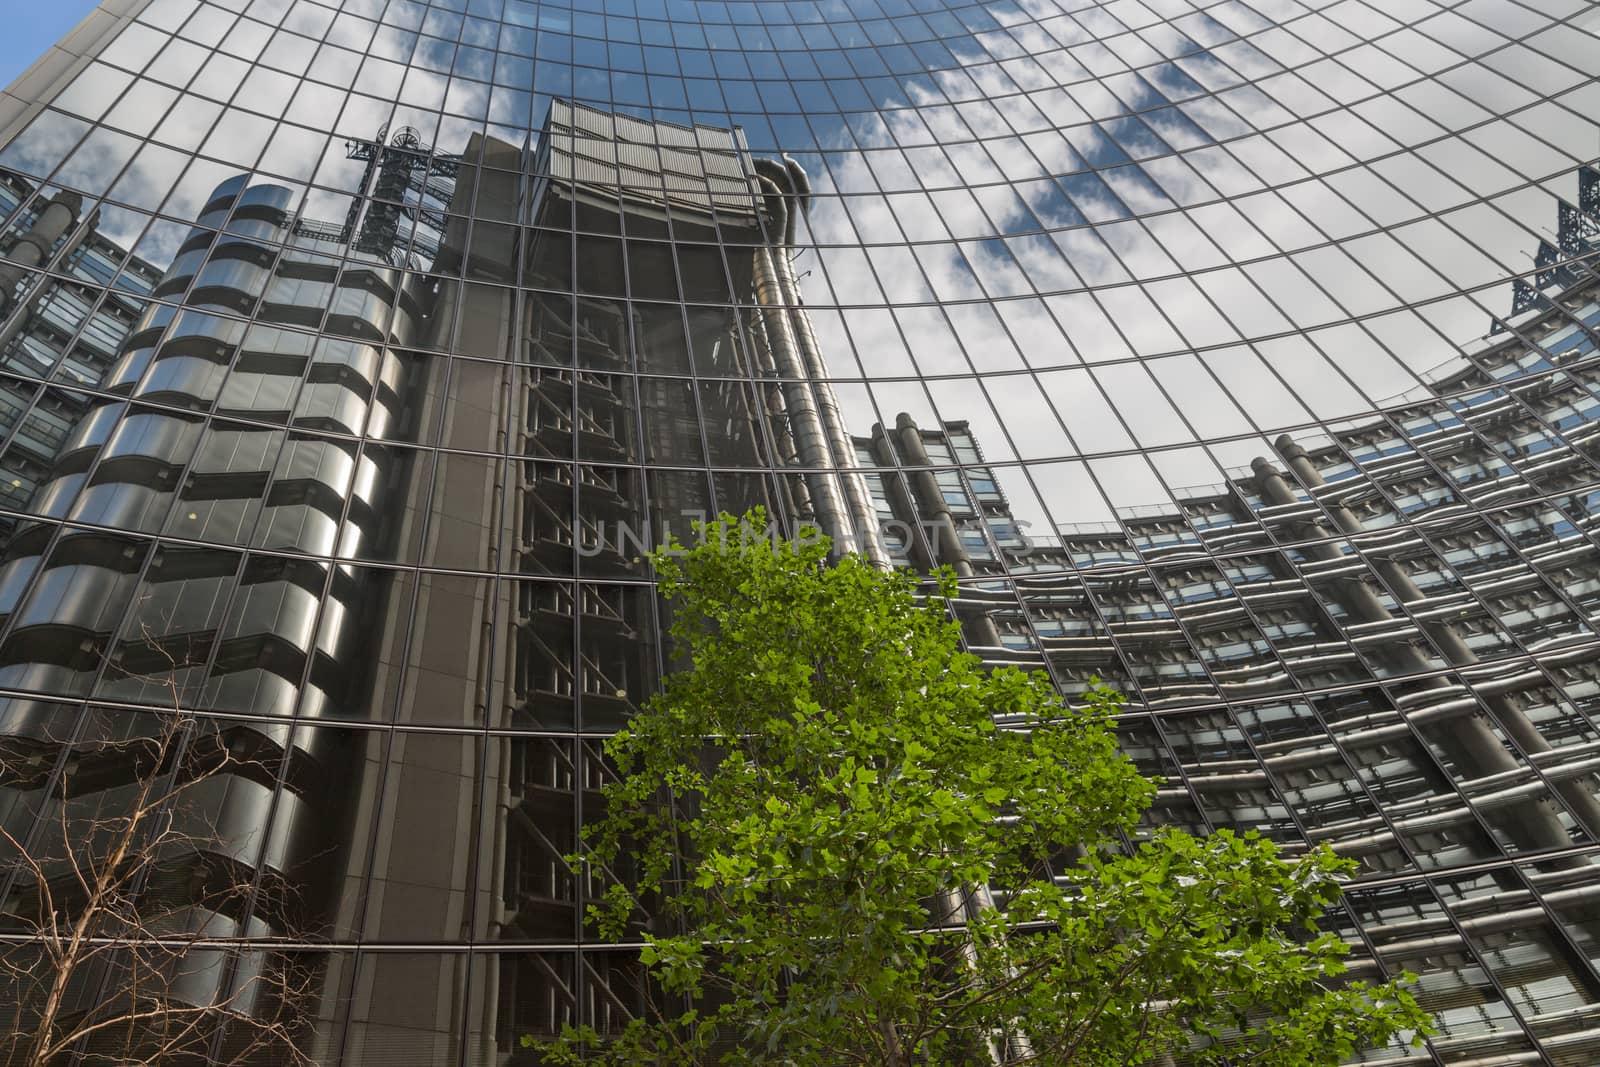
x: 34, y: 248
x: 805, y: 420
x: 979, y: 627
x: 788, y: 179
x: 30, y: 249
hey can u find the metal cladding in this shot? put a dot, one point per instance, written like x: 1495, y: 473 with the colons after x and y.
x: 354, y: 355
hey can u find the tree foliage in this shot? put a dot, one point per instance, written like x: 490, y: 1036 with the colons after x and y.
x: 842, y: 800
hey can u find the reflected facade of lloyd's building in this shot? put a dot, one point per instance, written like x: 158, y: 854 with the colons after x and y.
x: 1241, y: 353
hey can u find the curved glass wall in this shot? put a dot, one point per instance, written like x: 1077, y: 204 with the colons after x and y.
x: 1241, y: 353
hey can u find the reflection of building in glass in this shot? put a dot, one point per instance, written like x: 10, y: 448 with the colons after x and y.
x: 588, y: 482
x: 354, y: 353
x: 55, y: 323
x: 1571, y: 258
x: 1350, y: 562
x: 97, y: 612
x: 1352, y: 602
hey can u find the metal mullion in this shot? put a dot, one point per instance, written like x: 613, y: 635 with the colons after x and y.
x: 1470, y: 949
x: 1579, y: 959
x: 486, y: 806
x: 1529, y: 412
x: 1351, y: 765
x: 1228, y: 704
x: 1451, y: 674
x: 1447, y: 673
x: 1383, y: 970
x: 392, y: 726
x: 1422, y: 534
x: 1140, y: 451
x: 1382, y: 683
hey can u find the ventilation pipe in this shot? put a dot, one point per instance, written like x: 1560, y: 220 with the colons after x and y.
x: 979, y: 627
x: 805, y: 421
x: 30, y: 250
x: 788, y: 180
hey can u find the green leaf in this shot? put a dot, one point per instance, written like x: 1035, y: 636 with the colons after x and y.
x: 825, y: 761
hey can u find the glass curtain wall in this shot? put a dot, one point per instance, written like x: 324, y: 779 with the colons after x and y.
x: 1240, y: 353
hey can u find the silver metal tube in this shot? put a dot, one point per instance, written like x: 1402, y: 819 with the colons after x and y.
x: 857, y: 497
x: 805, y: 422
x: 30, y: 249
x: 791, y: 177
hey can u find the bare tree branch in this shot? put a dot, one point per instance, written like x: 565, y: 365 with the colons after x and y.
x: 119, y: 898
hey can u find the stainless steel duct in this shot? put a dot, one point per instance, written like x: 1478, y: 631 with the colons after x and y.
x: 30, y: 249
x: 805, y: 421
x: 788, y: 179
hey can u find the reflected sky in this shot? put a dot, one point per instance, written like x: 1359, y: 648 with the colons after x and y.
x: 1138, y: 225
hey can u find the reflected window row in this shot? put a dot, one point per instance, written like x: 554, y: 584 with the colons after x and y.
x: 1478, y: 429
x: 1209, y: 312
x: 1240, y: 629
x: 66, y: 450
x: 64, y: 453
x: 1379, y: 794
x: 264, y: 635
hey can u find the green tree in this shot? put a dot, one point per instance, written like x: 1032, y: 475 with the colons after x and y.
x: 842, y: 800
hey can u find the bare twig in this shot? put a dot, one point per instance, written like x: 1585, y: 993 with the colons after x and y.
x: 121, y: 892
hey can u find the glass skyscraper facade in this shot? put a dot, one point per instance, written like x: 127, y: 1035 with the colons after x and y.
x: 1241, y: 353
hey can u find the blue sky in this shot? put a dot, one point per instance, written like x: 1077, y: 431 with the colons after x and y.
x: 31, y: 26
